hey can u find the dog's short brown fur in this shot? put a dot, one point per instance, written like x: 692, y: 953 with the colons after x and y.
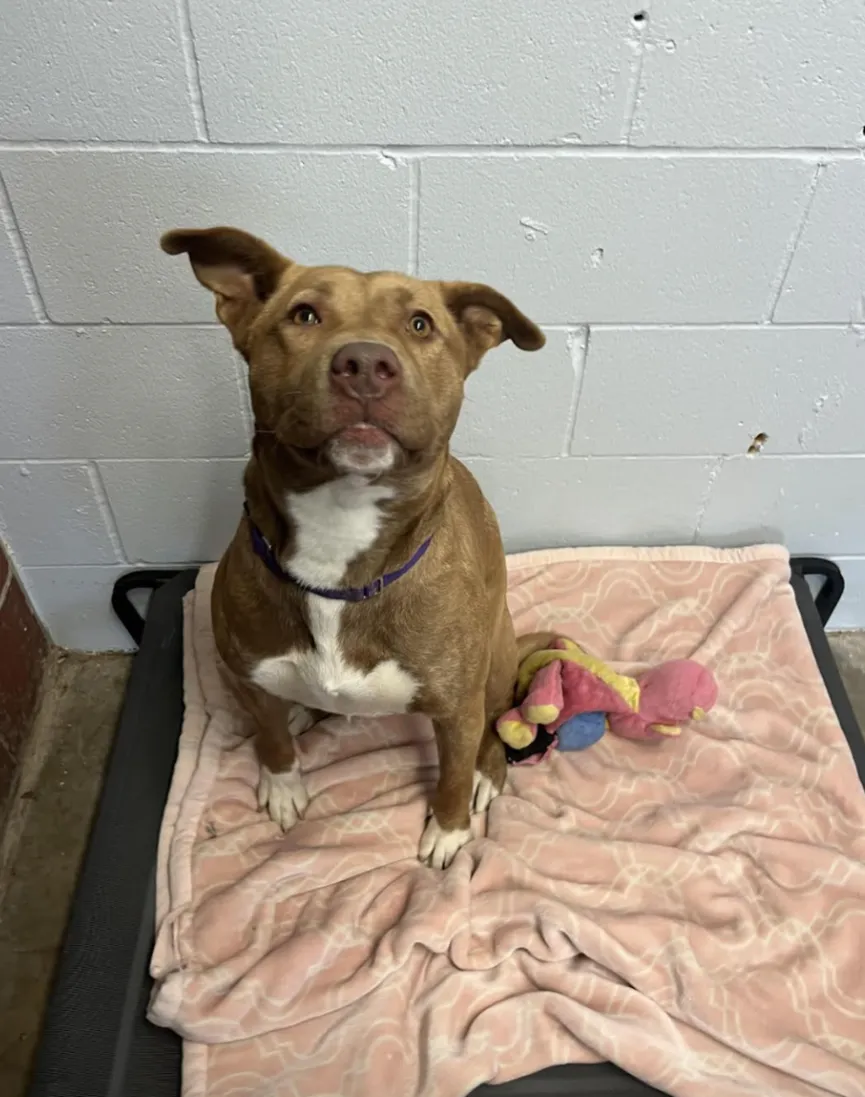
x: 439, y: 640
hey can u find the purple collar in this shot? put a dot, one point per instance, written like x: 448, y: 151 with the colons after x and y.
x: 264, y: 550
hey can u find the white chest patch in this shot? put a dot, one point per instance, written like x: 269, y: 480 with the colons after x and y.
x: 334, y: 524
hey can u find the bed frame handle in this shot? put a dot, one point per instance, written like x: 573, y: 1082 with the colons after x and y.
x: 122, y: 604
x: 829, y: 594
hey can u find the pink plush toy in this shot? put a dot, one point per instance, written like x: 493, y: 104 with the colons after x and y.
x: 561, y: 682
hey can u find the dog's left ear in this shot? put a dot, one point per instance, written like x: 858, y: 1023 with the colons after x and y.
x: 487, y: 318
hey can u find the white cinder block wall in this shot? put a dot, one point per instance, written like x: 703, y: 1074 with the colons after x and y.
x: 676, y: 192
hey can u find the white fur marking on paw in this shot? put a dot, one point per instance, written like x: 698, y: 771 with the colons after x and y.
x: 300, y: 719
x: 439, y: 847
x: 483, y: 792
x: 284, y: 795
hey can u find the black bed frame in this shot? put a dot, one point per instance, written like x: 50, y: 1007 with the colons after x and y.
x: 96, y: 1041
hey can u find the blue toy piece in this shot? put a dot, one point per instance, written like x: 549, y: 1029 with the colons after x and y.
x: 581, y: 731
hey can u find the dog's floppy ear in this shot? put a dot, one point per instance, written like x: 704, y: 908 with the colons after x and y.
x: 487, y: 318
x: 241, y: 270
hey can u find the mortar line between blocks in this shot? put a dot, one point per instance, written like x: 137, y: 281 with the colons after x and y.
x: 107, y: 512
x: 414, y: 217
x: 579, y: 349
x: 193, y: 71
x: 22, y: 256
x: 98, y: 325
x: 724, y: 325
x: 793, y: 246
x: 103, y: 460
x: 410, y: 152
x: 566, y: 327
x: 237, y: 458
x: 138, y: 565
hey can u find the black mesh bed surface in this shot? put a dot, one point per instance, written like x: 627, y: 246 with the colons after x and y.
x: 96, y: 1041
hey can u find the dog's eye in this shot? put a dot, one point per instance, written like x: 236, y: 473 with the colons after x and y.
x: 304, y: 315
x: 421, y: 324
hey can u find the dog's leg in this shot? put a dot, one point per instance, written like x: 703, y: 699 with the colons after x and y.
x: 490, y: 770
x: 447, y: 830
x: 276, y: 722
x: 281, y: 790
x: 491, y: 766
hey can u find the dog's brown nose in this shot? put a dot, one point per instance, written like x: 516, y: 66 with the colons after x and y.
x: 365, y: 371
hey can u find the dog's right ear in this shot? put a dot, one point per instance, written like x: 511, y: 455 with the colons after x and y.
x: 241, y: 270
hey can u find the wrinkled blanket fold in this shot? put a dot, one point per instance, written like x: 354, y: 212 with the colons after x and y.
x: 692, y: 910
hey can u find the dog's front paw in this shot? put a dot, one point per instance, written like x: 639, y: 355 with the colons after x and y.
x: 439, y: 847
x: 283, y: 795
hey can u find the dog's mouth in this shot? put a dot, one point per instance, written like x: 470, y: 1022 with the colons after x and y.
x: 368, y: 441
x: 363, y: 448
x: 364, y: 434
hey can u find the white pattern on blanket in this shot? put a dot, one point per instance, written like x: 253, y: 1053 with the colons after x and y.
x: 692, y: 910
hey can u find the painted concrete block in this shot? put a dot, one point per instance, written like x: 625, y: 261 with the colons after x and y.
x: 443, y: 73
x: 517, y: 404
x: 612, y: 239
x: 120, y: 392
x: 90, y: 70
x: 174, y: 511
x: 92, y: 221
x: 580, y: 501
x: 74, y: 604
x: 812, y: 505
x: 51, y: 514
x: 826, y: 280
x: 764, y: 74
x: 675, y: 391
x: 850, y: 613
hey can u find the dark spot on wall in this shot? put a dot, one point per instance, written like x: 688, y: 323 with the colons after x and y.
x: 757, y: 443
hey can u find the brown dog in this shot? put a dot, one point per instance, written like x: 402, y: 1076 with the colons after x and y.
x: 367, y: 576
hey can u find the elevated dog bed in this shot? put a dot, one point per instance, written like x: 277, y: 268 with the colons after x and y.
x: 97, y: 1041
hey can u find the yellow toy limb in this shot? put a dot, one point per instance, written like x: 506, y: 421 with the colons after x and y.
x: 541, y: 714
x: 627, y: 688
x: 515, y: 733
x: 667, y: 729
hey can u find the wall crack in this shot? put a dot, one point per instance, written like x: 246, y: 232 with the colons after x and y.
x: 107, y: 512
x: 578, y: 345
x: 707, y: 497
x: 22, y: 256
x: 793, y: 246
x: 193, y: 71
x: 637, y: 45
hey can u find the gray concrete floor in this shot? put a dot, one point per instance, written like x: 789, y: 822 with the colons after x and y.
x: 47, y: 833
x: 44, y: 843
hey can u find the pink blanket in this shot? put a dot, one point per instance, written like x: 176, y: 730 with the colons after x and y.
x: 693, y: 911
